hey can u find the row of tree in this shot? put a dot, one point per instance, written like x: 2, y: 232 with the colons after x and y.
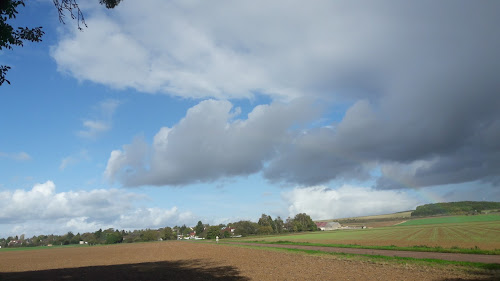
x: 108, y: 236
x: 265, y: 226
x: 455, y: 208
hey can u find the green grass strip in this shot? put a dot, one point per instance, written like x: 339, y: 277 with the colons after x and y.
x: 488, y: 266
x: 452, y: 219
x: 420, y: 248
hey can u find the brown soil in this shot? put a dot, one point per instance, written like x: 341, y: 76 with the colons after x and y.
x: 389, y: 253
x: 203, y: 261
x: 406, y: 243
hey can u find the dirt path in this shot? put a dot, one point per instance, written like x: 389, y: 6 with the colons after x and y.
x: 390, y: 253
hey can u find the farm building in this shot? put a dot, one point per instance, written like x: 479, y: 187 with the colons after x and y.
x: 229, y: 229
x: 331, y: 225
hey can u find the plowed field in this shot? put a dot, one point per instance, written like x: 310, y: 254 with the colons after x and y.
x: 484, y: 235
x: 202, y: 261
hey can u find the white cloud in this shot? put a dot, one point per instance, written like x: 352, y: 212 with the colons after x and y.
x: 417, y: 89
x: 281, y: 48
x: 20, y: 156
x: 155, y: 217
x: 67, y: 161
x: 321, y: 202
x: 208, y: 144
x: 167, y: 51
x: 74, y: 159
x: 42, y: 210
x: 103, y: 119
x: 228, y: 50
x: 93, y: 128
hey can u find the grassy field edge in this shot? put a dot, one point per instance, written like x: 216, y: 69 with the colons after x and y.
x: 421, y: 248
x: 380, y: 258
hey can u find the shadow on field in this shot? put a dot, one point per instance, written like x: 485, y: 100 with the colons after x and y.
x: 165, y: 270
x: 480, y: 275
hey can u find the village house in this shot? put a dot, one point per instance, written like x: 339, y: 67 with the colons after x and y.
x: 228, y: 229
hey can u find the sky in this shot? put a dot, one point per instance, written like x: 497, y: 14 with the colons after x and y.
x: 163, y: 113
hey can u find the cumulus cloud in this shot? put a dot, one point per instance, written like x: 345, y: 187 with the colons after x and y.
x: 321, y: 202
x: 452, y: 139
x: 419, y: 80
x: 211, y: 143
x: 157, y: 217
x: 208, y: 144
x: 164, y: 52
x: 102, y: 121
x: 281, y: 48
x: 43, y: 210
x: 313, y: 158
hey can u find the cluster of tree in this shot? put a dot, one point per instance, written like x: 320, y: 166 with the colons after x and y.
x: 455, y: 208
x: 266, y: 225
x: 108, y: 236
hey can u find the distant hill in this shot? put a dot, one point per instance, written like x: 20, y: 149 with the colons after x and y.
x: 372, y: 220
x: 455, y: 208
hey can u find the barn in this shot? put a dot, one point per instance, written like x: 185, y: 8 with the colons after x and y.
x: 331, y: 225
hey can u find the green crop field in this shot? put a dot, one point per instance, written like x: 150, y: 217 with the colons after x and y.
x: 393, y: 216
x: 453, y: 219
x: 465, y: 234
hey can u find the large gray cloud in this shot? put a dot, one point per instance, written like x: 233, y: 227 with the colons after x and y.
x: 420, y: 78
x: 434, y: 119
x: 312, y: 158
x: 208, y: 144
x: 456, y: 141
x: 282, y: 48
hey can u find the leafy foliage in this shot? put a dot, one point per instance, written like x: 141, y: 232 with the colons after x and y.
x: 303, y: 222
x: 245, y: 228
x: 114, y: 237
x: 72, y: 7
x: 10, y: 36
x: 150, y: 235
x: 110, y: 4
x: 213, y: 232
x: 454, y: 208
x: 199, y: 228
x: 280, y: 225
x: 169, y: 234
x: 266, y: 221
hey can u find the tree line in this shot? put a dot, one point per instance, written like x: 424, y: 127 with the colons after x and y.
x: 266, y: 225
x: 455, y: 208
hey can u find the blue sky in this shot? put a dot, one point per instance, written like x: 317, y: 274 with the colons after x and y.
x: 164, y: 113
